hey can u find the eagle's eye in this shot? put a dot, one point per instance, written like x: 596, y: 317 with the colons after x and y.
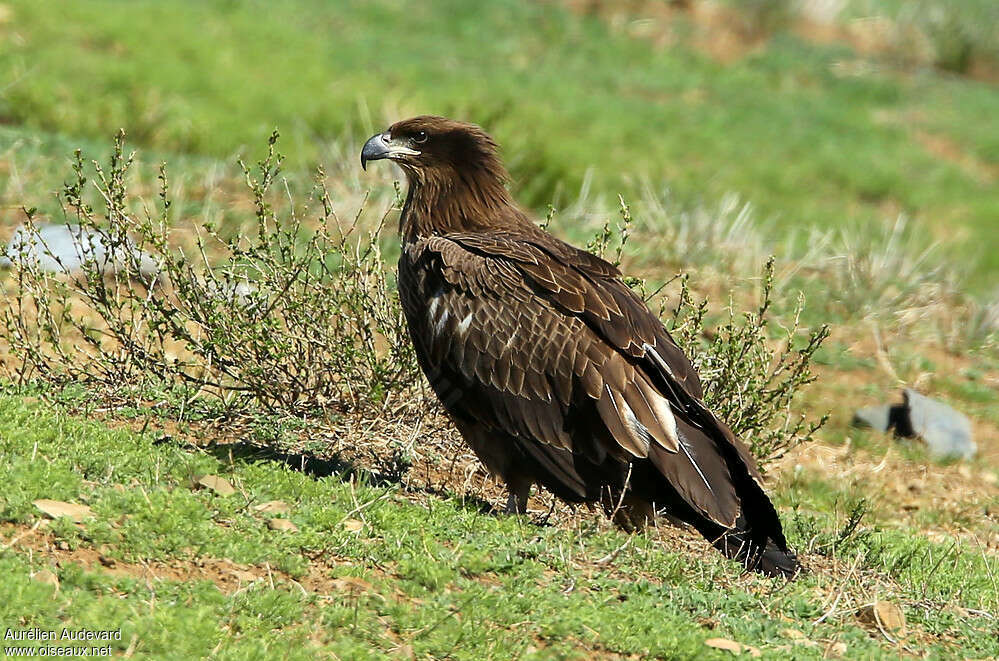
x: 420, y: 137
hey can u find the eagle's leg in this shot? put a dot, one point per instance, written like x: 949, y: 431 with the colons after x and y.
x: 494, y: 451
x: 520, y: 490
x: 630, y: 512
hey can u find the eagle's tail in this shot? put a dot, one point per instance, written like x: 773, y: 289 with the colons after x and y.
x: 769, y: 557
x: 755, y: 539
x: 775, y: 562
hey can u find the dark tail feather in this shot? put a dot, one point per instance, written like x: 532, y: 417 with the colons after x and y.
x: 756, y: 540
x: 768, y: 558
x: 775, y: 562
x: 761, y: 548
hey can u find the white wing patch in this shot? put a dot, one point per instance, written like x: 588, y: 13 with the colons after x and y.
x: 513, y: 338
x: 464, y: 323
x: 437, y: 323
x: 441, y: 322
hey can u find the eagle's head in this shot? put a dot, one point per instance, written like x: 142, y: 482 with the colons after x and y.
x: 436, y: 147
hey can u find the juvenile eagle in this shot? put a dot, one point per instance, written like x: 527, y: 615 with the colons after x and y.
x: 552, y: 369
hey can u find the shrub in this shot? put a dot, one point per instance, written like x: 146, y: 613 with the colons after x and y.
x: 750, y: 379
x: 298, y: 316
x: 958, y: 32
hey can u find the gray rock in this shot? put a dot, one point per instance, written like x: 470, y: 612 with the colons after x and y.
x: 68, y: 248
x: 946, y: 432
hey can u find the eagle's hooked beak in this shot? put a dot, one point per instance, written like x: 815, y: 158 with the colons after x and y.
x: 381, y: 145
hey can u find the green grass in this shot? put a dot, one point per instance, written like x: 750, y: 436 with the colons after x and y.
x: 564, y: 94
x: 440, y: 579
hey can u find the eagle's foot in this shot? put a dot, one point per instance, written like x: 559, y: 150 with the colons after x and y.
x: 520, y: 491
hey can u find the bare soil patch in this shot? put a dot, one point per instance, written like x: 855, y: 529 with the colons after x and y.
x: 944, y: 148
x: 228, y: 576
x: 728, y: 34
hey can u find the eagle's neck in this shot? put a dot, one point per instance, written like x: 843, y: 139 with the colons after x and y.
x: 469, y: 201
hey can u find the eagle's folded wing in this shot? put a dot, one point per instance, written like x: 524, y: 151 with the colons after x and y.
x: 554, y: 349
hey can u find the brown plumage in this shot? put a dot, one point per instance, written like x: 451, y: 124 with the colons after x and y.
x: 554, y: 371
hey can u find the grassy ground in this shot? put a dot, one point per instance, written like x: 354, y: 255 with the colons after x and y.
x: 395, y: 548
x: 374, y: 571
x: 411, y: 558
x: 800, y: 129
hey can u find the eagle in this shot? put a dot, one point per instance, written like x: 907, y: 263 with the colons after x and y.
x: 552, y: 369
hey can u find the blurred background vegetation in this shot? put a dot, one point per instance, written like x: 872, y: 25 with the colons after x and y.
x: 821, y: 113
